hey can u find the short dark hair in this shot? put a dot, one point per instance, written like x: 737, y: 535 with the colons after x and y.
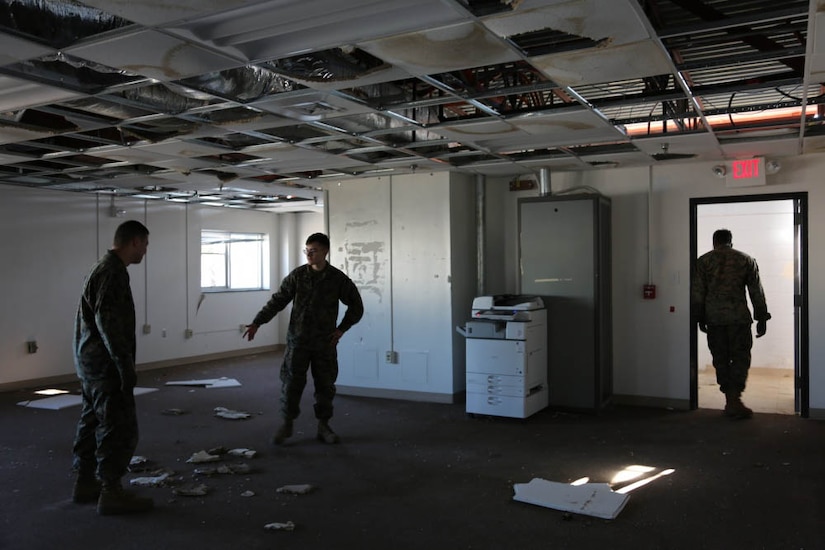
x: 722, y: 236
x: 318, y: 238
x: 129, y: 230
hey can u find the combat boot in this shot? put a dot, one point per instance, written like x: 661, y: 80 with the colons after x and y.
x: 734, y: 407
x: 284, y: 432
x: 326, y: 434
x: 86, y: 489
x: 114, y: 499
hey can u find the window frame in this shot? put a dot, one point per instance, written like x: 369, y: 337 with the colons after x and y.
x: 227, y: 238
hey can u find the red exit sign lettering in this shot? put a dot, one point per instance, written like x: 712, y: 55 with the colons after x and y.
x: 745, y: 169
x: 746, y: 172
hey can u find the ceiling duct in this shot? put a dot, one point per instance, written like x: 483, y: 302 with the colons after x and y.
x: 242, y: 84
x: 329, y: 65
x: 159, y: 97
x: 65, y: 71
x: 56, y: 23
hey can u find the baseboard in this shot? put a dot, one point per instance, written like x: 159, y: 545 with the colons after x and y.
x: 651, y: 402
x: 72, y: 377
x: 405, y: 395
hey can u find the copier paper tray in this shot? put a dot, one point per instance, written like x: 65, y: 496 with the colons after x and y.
x: 485, y: 329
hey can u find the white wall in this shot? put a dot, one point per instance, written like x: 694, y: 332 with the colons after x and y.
x: 52, y: 238
x: 651, y: 343
x: 397, y: 238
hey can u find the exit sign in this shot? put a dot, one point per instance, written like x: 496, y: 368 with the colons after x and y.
x: 746, y: 172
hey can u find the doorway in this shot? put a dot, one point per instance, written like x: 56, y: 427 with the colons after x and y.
x: 772, y: 229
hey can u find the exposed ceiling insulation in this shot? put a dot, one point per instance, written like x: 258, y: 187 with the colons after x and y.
x: 254, y: 104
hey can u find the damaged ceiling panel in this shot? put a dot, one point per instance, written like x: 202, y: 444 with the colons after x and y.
x: 259, y: 104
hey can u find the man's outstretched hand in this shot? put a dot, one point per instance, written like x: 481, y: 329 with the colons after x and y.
x: 250, y: 331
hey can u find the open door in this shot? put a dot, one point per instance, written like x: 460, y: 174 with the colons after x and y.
x: 772, y: 229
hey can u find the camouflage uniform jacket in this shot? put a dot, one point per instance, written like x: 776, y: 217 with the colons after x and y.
x: 104, y: 339
x: 719, y: 283
x: 315, y: 296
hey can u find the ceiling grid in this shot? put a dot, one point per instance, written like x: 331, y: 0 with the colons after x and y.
x: 254, y: 103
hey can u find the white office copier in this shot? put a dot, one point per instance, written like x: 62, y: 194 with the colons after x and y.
x: 506, y: 356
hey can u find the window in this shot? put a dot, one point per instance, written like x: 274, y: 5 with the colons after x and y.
x: 234, y: 261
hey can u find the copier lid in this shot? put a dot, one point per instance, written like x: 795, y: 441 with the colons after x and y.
x: 511, y: 302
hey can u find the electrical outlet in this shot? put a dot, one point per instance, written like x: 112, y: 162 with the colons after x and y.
x: 163, y: 333
x: 243, y: 328
x: 147, y: 329
x: 31, y: 346
x: 391, y: 357
x: 188, y: 333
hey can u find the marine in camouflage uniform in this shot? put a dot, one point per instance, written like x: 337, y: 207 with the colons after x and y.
x: 719, y: 306
x: 104, y: 355
x: 315, y: 290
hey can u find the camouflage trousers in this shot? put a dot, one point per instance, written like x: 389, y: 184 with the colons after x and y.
x: 322, y: 362
x: 730, y: 346
x: 107, y: 433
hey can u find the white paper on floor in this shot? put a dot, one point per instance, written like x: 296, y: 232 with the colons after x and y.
x: 57, y: 402
x: 222, y: 382
x: 592, y: 499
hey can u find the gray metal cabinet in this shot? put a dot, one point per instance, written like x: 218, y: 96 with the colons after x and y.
x: 564, y: 254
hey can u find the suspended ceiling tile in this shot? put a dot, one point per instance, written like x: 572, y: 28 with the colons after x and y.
x: 310, y: 105
x: 762, y: 148
x: 299, y: 159
x: 12, y: 159
x: 282, y: 28
x: 558, y: 163
x: 13, y: 49
x: 11, y: 134
x: 153, y: 54
x: 569, y: 128
x: 17, y: 94
x: 604, y: 64
x: 183, y: 148
x: 814, y: 144
x: 502, y: 168
x: 181, y: 164
x: 471, y: 131
x: 152, y: 12
x: 618, y: 24
x: 266, y: 120
x: 133, y: 155
x: 442, y: 49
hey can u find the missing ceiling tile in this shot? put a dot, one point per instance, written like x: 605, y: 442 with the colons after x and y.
x: 329, y: 65
x: 56, y: 23
x: 550, y: 41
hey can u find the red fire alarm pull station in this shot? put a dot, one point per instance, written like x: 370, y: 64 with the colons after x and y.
x: 649, y: 292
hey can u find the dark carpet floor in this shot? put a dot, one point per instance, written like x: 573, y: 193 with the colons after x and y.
x: 414, y: 475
